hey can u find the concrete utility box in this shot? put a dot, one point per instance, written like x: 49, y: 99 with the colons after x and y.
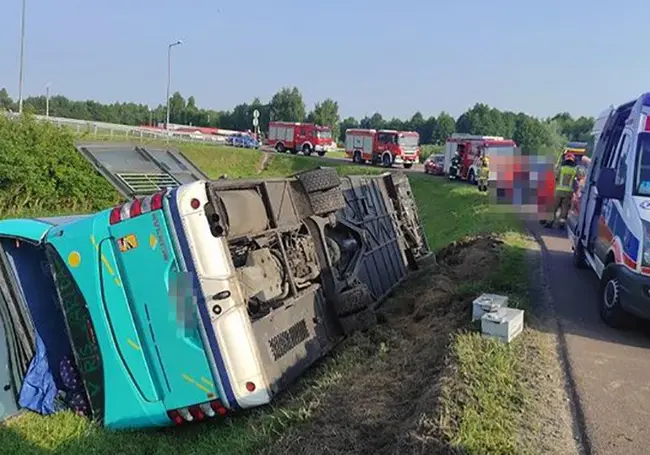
x: 504, y: 324
x: 487, y: 303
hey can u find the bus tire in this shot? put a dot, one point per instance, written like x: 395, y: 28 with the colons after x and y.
x: 279, y: 147
x: 319, y: 179
x: 611, y: 310
x: 353, y: 301
x: 326, y: 202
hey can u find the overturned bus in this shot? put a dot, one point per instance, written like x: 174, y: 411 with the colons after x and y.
x: 200, y: 299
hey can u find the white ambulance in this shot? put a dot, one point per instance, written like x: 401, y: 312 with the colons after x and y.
x: 610, y: 233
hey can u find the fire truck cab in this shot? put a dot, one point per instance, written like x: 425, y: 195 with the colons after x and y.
x: 299, y: 137
x: 471, y: 148
x: 385, y: 147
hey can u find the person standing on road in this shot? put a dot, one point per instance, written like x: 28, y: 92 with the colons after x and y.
x: 564, y: 179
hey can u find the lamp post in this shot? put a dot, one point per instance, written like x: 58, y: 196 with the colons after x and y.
x: 47, y: 100
x: 169, y: 75
x: 22, y: 58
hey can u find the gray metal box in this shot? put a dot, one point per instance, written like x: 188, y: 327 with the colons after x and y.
x: 486, y: 303
x: 504, y: 324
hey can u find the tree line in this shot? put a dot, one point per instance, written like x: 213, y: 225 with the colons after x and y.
x: 287, y: 104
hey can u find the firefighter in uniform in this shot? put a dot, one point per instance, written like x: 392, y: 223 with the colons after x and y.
x: 484, y: 173
x: 455, y: 166
x: 564, y: 179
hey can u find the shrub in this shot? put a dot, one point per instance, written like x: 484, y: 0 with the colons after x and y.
x: 40, y: 170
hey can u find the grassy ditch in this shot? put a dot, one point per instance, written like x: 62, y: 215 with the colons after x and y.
x: 421, y: 381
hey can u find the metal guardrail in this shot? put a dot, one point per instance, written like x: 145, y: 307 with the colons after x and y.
x: 114, y: 131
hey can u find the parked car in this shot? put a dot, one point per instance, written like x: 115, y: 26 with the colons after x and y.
x: 242, y: 140
x: 435, y: 164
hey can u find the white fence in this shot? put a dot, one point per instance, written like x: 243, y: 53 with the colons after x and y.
x: 116, y: 131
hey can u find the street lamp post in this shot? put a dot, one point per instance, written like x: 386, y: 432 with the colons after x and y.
x: 169, y: 75
x: 22, y: 58
x: 47, y: 100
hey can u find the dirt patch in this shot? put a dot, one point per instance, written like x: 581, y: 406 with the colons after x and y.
x: 380, y: 405
x: 265, y: 161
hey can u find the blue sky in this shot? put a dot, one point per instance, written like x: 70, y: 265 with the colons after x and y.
x: 395, y: 57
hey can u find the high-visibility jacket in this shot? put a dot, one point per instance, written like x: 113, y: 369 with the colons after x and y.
x: 484, y: 172
x: 565, y: 179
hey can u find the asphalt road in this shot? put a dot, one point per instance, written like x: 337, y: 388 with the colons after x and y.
x: 610, y: 368
x: 417, y: 168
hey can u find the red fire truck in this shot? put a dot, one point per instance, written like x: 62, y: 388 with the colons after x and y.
x: 470, y: 147
x: 299, y: 137
x: 385, y: 147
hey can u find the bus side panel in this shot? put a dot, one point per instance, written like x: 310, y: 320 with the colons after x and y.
x: 164, y: 304
x: 124, y: 405
x: 127, y: 337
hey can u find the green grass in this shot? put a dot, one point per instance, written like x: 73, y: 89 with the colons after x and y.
x: 483, y: 405
x: 484, y: 400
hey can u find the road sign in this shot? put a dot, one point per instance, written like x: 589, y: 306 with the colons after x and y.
x: 256, y: 121
x: 256, y: 114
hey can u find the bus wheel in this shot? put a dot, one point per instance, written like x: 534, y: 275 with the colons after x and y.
x: 279, y: 147
x: 356, y: 158
x: 386, y: 161
x: 611, y: 310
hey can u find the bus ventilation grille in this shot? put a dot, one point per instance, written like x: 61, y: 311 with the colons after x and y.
x: 285, y: 341
x: 141, y: 184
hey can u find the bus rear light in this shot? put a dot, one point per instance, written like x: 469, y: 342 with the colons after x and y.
x: 197, y: 413
x: 137, y: 207
x: 195, y: 203
x: 250, y: 386
x: 216, y: 405
x: 207, y: 409
x: 175, y: 417
x: 185, y: 414
x: 115, y: 216
x: 157, y: 200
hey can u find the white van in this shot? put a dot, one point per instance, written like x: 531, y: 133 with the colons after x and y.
x: 610, y: 233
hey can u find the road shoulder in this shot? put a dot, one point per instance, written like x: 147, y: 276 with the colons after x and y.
x: 560, y: 417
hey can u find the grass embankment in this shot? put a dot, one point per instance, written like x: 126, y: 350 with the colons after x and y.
x: 420, y: 381
x: 40, y: 172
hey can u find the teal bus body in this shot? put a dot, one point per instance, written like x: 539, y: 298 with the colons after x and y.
x: 142, y: 315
